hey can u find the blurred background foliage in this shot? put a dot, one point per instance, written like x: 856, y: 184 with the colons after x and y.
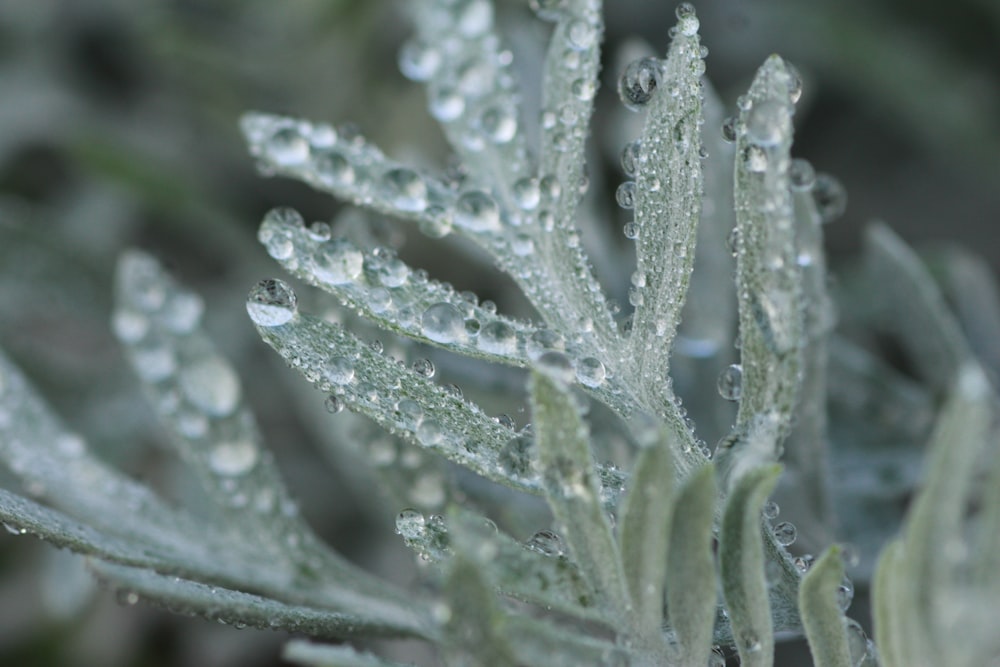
x: 118, y: 128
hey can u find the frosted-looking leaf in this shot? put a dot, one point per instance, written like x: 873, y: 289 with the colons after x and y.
x: 573, y: 491
x: 669, y: 190
x: 822, y: 618
x: 310, y: 654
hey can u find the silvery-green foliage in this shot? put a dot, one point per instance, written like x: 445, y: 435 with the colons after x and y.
x: 646, y: 547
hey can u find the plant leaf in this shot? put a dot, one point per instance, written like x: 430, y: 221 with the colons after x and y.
x: 691, y: 578
x: 573, y: 491
x: 741, y: 560
x: 824, y: 622
x: 311, y: 654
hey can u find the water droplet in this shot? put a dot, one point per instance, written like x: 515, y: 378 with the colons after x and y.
x: 443, y: 323
x: 729, y: 130
x: 498, y: 124
x: 154, y: 363
x: 845, y: 593
x: 423, y: 367
x: 590, y: 372
x: 211, y: 386
x: 192, y: 424
x: 803, y: 563
x: 333, y: 404
x: 340, y: 370
x: 625, y: 195
x: 333, y: 169
x: 546, y: 543
x: 765, y: 123
x: 522, y: 245
x: 419, y: 61
x: 271, y: 303
x: 410, y: 413
x: 785, y: 533
x: 631, y: 230
x: 630, y: 158
x: 411, y: 524
x: 830, y: 197
x: 126, y: 597
x: 477, y: 211
x: 234, y: 458
x: 446, y: 104
x: 430, y: 433
x: 794, y: 82
x: 716, y: 658
x: 583, y: 89
x: 556, y: 365
x: 406, y: 189
x: 771, y: 510
x: 638, y: 83
x: 337, y: 262
x: 730, y: 383
x: 527, y: 193
x: 582, y: 35
x: 286, y: 147
x: 687, y: 21
x: 801, y: 175
x: 474, y: 17
x: 549, y: 10
x: 497, y: 337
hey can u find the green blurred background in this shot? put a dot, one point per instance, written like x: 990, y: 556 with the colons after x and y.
x: 118, y: 128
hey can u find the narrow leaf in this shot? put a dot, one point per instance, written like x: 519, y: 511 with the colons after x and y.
x: 741, y: 560
x: 668, y: 196
x: 474, y: 633
x: 544, y: 644
x: 893, y: 610
x: 645, y: 531
x: 912, y: 308
x: 242, y: 609
x: 768, y: 277
x: 573, y: 491
x: 824, y: 622
x: 691, y: 576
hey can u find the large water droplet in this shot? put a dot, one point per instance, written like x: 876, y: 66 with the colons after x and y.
x: 419, y: 61
x: 730, y: 383
x: 411, y: 524
x: 406, y: 189
x: 556, y: 365
x: 785, y: 533
x: 286, y: 146
x: 546, y: 543
x: 340, y: 370
x: 630, y: 158
x: 443, y: 323
x: 687, y: 20
x: 333, y: 169
x: 211, y: 386
x: 625, y: 195
x: 639, y: 82
x: 337, y: 262
x: 590, y: 372
x: 430, y: 433
x: 498, y: 124
x: 446, y: 104
x: 582, y: 35
x: 497, y: 337
x: 801, y: 175
x: 234, y: 458
x: 830, y: 197
x: 271, y: 302
x: 477, y: 211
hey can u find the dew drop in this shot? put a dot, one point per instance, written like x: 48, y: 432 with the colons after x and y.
x: 286, y: 147
x: 211, y: 386
x: 406, y: 189
x: 730, y: 383
x: 430, y: 433
x: 801, y: 175
x: 129, y: 326
x: 546, y: 543
x: 590, y: 372
x: 625, y: 195
x: 337, y: 262
x: 687, y: 21
x: 630, y: 158
x: 497, y: 337
x: 419, y: 61
x: 755, y: 158
x: 411, y: 524
x: 785, y: 533
x: 498, y: 124
x: 443, y: 323
x: 423, y: 367
x: 234, y: 458
x: 556, y: 365
x: 729, y: 130
x: 638, y: 83
x: 271, y: 303
x: 477, y: 211
x: 126, y: 597
x: 549, y: 10
x: 333, y: 404
x: 522, y: 245
x: 154, y: 363
x: 582, y: 35
x: 527, y: 193
x: 583, y: 89
x: 771, y: 510
x: 410, y: 413
x: 446, y: 104
x: 830, y: 197
x: 333, y: 169
x: 340, y: 371
x: 765, y: 122
x: 631, y: 230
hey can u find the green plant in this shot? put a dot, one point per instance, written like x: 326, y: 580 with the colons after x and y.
x: 642, y: 546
